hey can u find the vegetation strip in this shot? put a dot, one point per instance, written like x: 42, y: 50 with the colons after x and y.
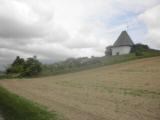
x: 75, y: 65
x: 18, y: 108
x: 134, y: 92
x: 33, y: 68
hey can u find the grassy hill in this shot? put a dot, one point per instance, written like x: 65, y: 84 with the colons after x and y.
x: 128, y: 90
x: 74, y: 65
x: 79, y: 64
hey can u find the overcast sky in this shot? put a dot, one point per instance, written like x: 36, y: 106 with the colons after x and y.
x: 58, y: 29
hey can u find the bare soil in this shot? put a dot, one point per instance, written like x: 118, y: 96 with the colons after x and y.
x: 1, y: 117
x: 126, y: 91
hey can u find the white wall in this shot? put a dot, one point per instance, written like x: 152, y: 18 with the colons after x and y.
x: 121, y: 50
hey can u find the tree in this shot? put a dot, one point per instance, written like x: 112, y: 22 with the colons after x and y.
x: 31, y: 67
x: 18, y: 61
x: 24, y: 68
x: 139, y: 48
x: 16, y: 66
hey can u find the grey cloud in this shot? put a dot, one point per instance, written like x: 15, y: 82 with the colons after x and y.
x: 10, y: 28
x: 57, y: 35
x: 44, y: 51
x: 7, y: 56
x: 80, y: 43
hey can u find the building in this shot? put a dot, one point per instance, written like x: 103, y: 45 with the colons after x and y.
x: 122, y: 45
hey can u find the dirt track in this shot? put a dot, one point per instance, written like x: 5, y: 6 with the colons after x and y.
x: 127, y: 91
x: 1, y: 118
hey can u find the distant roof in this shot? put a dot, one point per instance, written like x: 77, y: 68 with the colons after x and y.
x: 123, y: 40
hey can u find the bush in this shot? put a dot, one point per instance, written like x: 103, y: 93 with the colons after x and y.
x: 23, y: 68
x: 31, y: 67
x: 138, y: 53
x: 16, y: 66
x: 139, y: 48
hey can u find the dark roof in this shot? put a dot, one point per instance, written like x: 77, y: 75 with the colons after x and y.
x: 123, y: 40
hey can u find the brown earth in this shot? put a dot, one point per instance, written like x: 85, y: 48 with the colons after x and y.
x: 126, y: 91
x: 1, y: 117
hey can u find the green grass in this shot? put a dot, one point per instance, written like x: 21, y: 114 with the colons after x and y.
x: 14, y: 107
x: 97, y: 62
x: 93, y: 63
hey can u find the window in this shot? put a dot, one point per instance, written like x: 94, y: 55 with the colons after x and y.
x: 117, y: 53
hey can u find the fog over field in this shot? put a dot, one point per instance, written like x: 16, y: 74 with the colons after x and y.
x: 58, y: 29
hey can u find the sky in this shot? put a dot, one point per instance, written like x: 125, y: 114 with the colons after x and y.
x: 55, y: 30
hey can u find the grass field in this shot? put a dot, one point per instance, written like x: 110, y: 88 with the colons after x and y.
x: 95, y: 62
x: 125, y: 91
x: 14, y: 107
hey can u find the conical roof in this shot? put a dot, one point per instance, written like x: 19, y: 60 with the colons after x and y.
x: 123, y: 40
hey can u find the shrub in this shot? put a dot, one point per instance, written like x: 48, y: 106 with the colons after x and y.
x: 139, y: 48
x: 31, y: 67
x: 138, y: 53
x: 16, y: 66
x: 23, y: 68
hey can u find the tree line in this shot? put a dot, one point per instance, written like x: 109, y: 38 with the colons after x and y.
x: 25, y: 68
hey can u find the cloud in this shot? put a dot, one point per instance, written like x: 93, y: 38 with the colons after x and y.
x: 152, y: 20
x: 137, y: 6
x: 19, y: 20
x: 13, y: 29
x: 58, y: 29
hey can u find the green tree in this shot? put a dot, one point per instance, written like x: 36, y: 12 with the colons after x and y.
x: 23, y: 68
x: 31, y: 67
x: 139, y: 48
x: 16, y: 66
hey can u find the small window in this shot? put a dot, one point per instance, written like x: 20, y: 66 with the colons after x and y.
x: 117, y: 53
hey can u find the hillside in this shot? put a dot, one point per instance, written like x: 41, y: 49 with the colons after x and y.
x: 84, y: 63
x: 32, y: 67
x: 123, y: 91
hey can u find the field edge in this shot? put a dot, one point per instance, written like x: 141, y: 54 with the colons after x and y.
x: 14, y: 107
